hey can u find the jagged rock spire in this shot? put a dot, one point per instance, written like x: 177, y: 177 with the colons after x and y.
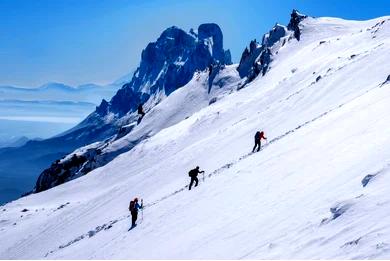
x: 293, y: 25
x: 257, y: 58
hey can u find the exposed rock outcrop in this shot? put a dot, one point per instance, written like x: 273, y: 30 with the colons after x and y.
x: 293, y: 25
x: 257, y: 58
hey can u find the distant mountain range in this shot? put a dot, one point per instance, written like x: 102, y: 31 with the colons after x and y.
x: 91, y: 93
x: 14, y: 142
x: 27, y: 114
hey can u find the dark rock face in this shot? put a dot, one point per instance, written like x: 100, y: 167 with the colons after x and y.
x: 76, y: 166
x: 125, y: 100
x: 102, y: 109
x: 264, y: 61
x: 248, y: 58
x: 58, y: 173
x: 293, y: 25
x: 168, y: 64
x: 257, y: 58
x: 273, y: 36
x: 207, y: 32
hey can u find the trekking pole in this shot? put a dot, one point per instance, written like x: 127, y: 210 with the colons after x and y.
x: 142, y: 210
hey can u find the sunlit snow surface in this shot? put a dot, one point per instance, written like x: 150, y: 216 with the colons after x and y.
x: 301, y: 196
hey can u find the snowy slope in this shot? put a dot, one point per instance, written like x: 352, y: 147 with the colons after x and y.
x: 178, y: 106
x: 300, y: 197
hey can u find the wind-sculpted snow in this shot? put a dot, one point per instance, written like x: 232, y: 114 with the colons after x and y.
x: 300, y: 197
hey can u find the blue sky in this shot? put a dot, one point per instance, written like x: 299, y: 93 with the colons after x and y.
x: 81, y: 41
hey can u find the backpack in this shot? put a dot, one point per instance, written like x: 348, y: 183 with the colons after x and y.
x: 132, y: 206
x: 192, y: 173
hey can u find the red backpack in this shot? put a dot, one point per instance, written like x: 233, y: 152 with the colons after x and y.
x: 262, y: 134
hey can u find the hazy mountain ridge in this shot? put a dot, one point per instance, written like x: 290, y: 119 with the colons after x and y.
x: 91, y: 93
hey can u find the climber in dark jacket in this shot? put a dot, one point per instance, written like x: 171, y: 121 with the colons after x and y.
x: 133, y: 208
x: 141, y: 111
x: 193, y: 174
x: 259, y: 135
x: 210, y: 69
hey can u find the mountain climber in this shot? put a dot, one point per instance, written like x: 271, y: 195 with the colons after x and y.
x: 133, y: 208
x: 193, y: 174
x: 140, y: 112
x: 210, y: 69
x: 258, y: 136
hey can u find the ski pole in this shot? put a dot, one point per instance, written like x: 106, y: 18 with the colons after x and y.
x: 203, y: 176
x: 142, y: 210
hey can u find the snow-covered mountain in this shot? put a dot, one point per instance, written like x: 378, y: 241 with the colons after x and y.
x: 317, y: 189
x: 166, y: 65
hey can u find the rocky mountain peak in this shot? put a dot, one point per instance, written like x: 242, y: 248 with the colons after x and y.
x: 169, y: 63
